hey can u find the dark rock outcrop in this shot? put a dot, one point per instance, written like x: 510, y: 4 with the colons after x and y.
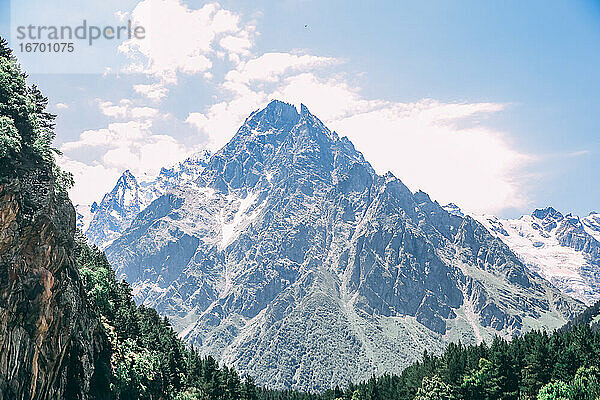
x: 51, y: 344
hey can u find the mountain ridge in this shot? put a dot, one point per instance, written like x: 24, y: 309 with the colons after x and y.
x: 290, y: 247
x: 564, y: 249
x: 104, y: 222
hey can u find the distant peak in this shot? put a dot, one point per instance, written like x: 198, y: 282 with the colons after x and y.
x: 127, y: 179
x: 453, y: 209
x: 389, y: 176
x: 548, y: 212
x: 278, y: 105
x: 127, y: 175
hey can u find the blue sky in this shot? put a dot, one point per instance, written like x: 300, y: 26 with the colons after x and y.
x: 492, y: 105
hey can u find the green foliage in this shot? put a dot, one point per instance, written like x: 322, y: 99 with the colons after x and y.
x: 482, y: 383
x: 433, y: 388
x: 586, y: 384
x: 191, y: 394
x: 26, y: 128
x: 148, y: 360
x: 557, y: 390
x: 10, y: 140
x: 564, y: 365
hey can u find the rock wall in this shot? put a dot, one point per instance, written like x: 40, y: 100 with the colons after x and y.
x: 51, y: 344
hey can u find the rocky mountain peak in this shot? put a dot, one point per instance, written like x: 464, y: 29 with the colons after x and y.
x: 549, y: 213
x: 547, y: 218
x: 127, y: 177
x: 290, y: 253
x: 277, y: 115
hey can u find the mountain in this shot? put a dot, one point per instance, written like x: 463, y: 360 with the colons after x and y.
x: 591, y: 224
x: 84, y: 214
x: 564, y: 249
x: 105, y: 222
x: 292, y: 260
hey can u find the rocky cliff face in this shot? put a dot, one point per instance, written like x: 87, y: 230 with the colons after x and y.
x: 293, y: 261
x: 51, y: 346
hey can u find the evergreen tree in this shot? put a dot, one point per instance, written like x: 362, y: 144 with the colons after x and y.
x: 557, y: 390
x: 433, y: 388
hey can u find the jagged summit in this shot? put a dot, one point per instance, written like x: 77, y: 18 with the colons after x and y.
x: 548, y: 212
x: 454, y: 209
x: 279, y: 143
x: 276, y: 115
x: 118, y: 208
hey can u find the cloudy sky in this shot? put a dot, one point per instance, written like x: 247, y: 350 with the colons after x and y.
x: 492, y: 105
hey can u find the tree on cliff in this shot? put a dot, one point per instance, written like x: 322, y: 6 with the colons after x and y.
x: 26, y: 128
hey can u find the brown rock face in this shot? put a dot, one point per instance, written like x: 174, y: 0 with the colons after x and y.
x: 51, y: 344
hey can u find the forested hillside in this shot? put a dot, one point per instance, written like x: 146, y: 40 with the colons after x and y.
x: 148, y: 360
x: 51, y: 345
x: 68, y: 329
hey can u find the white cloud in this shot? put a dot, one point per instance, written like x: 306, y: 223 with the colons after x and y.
x: 240, y: 44
x: 223, y: 119
x: 270, y: 67
x: 114, y: 110
x: 153, y: 91
x: 61, y: 106
x: 441, y: 148
x: 430, y: 145
x: 125, y: 109
x: 91, y: 180
x: 330, y: 98
x: 422, y: 145
x: 579, y: 153
x: 121, y: 15
x: 181, y: 39
x: 124, y: 145
x: 143, y: 112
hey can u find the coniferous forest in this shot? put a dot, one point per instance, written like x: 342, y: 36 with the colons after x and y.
x: 149, y: 361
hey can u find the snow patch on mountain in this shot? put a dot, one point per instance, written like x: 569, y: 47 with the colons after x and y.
x: 242, y: 217
x: 556, y: 247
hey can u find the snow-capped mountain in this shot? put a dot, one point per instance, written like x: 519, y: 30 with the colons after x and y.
x: 564, y: 249
x: 292, y: 260
x: 591, y: 224
x: 105, y: 222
